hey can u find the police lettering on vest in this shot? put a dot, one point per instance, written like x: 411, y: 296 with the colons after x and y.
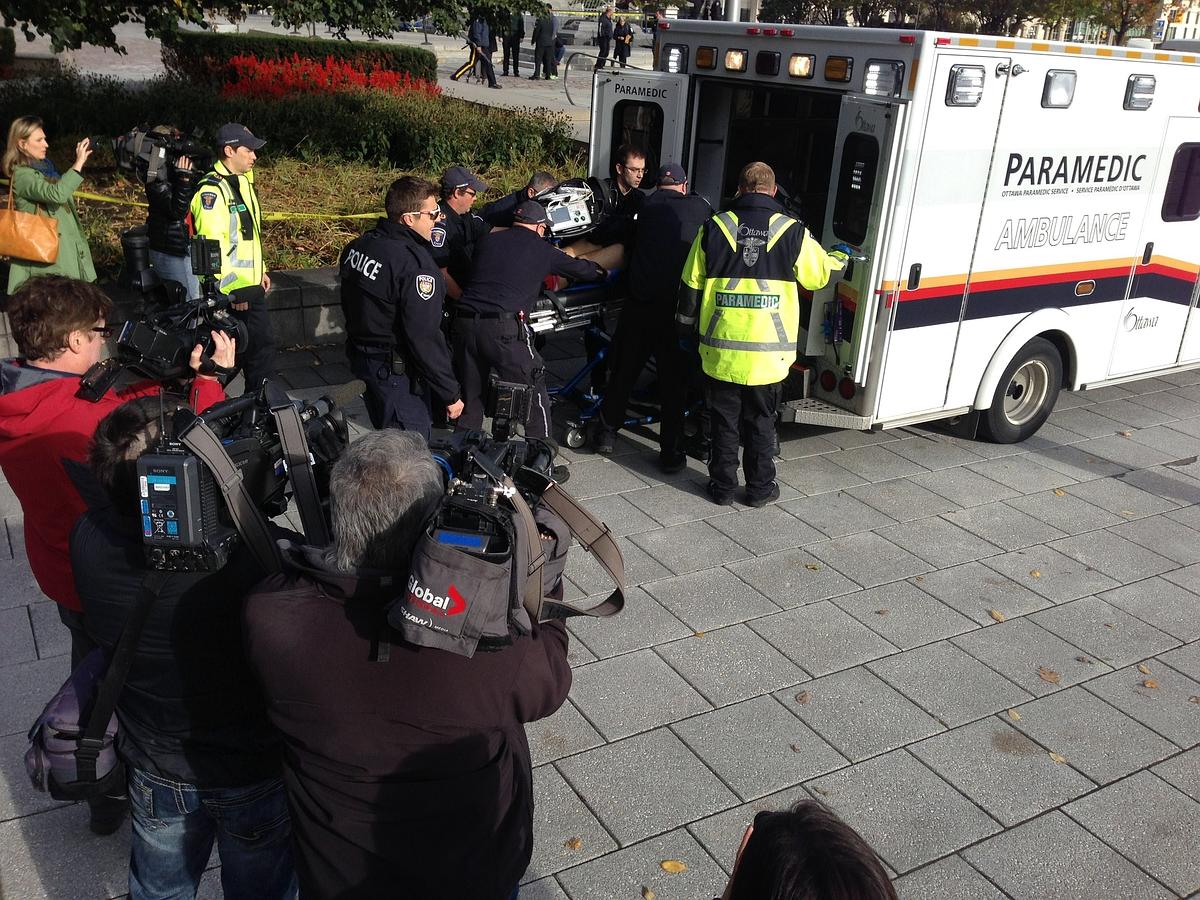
x: 360, y: 262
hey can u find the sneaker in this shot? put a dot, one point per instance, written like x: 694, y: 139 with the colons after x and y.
x: 603, y: 439
x: 554, y: 78
x: 107, y: 814
x: 771, y: 495
x: 671, y: 462
x: 719, y: 495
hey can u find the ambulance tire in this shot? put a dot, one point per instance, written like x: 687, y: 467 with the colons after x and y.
x: 1026, y: 394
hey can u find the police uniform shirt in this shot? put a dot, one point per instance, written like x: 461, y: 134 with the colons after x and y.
x: 453, y: 241
x: 663, y: 236
x: 499, y: 213
x: 392, y: 295
x: 510, y: 267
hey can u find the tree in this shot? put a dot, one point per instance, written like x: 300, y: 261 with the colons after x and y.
x: 1121, y: 16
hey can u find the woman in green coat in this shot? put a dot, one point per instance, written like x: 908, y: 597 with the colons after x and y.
x: 37, y: 187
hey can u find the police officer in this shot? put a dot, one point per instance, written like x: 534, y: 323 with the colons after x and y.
x: 225, y: 209
x: 740, y: 291
x: 392, y: 295
x: 490, y: 329
x: 453, y: 239
x: 662, y: 238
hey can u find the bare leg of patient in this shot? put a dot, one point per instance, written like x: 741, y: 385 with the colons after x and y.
x: 610, y: 256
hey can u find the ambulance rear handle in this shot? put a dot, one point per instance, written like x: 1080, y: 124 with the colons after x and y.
x: 914, y: 277
x: 1148, y: 253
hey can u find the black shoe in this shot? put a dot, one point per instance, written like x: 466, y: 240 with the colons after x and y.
x: 603, y: 439
x: 108, y: 813
x: 534, y: 77
x: 496, y: 86
x: 719, y: 495
x: 770, y: 496
x: 671, y: 462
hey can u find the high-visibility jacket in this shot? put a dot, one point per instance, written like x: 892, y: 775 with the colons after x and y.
x: 739, y: 288
x: 217, y: 214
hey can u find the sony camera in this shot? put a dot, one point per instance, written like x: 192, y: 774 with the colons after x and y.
x: 151, y: 154
x: 188, y: 523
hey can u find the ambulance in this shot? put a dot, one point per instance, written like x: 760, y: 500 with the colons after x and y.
x: 1027, y: 214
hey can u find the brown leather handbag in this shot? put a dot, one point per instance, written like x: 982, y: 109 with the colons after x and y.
x: 27, y: 236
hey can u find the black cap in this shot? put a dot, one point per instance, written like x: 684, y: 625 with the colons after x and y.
x: 531, y: 213
x: 231, y: 134
x: 671, y: 174
x: 458, y: 177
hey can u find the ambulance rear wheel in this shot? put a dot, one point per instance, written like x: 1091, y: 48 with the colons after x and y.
x: 576, y: 437
x: 1026, y: 394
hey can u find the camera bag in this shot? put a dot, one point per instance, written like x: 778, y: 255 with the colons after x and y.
x: 72, y: 746
x: 27, y: 236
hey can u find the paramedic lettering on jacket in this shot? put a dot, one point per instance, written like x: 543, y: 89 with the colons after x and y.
x: 225, y: 209
x: 740, y: 290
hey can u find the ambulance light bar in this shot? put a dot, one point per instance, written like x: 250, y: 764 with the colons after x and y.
x: 801, y: 65
x: 884, y: 78
x: 676, y: 58
x: 966, y: 86
x: 1139, y: 92
x: 838, y: 68
x: 1059, y: 89
x: 766, y: 62
x: 735, y: 60
x: 706, y: 57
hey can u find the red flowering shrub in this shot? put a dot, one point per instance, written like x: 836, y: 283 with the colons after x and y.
x: 278, y: 78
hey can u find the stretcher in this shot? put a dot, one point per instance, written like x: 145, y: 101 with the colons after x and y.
x: 575, y: 306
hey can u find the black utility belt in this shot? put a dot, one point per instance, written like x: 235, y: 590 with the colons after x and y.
x: 471, y: 314
x: 383, y: 354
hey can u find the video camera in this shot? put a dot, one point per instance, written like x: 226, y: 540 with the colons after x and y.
x: 212, y: 483
x: 159, y: 344
x: 151, y: 154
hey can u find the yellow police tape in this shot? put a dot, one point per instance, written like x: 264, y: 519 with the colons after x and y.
x: 269, y: 217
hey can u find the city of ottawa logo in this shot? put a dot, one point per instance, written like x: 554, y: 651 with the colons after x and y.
x: 450, y: 605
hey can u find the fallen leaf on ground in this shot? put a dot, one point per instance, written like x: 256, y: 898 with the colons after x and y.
x: 821, y: 791
x: 1109, y: 625
x: 996, y: 614
x: 1150, y: 683
x: 1057, y: 758
x: 1085, y: 660
x: 1125, y: 433
x: 1128, y: 513
x: 1014, y: 715
x: 1195, y: 698
x: 816, y: 567
x: 1059, y: 492
x: 573, y: 843
x: 647, y: 894
x: 698, y: 634
x: 1143, y: 668
x: 1049, y: 675
x: 803, y: 697
x: 1035, y: 574
x: 797, y: 748
x: 673, y: 866
x: 881, y: 612
x: 919, y: 579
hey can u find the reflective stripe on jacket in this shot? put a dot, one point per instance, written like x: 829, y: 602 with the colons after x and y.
x: 740, y: 288
x: 218, y: 219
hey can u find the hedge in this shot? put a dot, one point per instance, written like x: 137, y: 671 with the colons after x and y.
x: 8, y: 47
x: 203, y: 56
x: 410, y: 131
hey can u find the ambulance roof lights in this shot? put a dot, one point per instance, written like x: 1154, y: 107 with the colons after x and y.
x: 908, y: 38
x: 770, y: 32
x: 766, y: 62
x: 753, y: 30
x: 676, y: 58
x: 965, y: 87
x: 941, y: 42
x: 1059, y: 89
x: 1139, y: 92
x: 706, y: 57
x: 884, y: 78
x: 801, y: 65
x: 787, y: 32
x: 735, y: 60
x: 838, y: 68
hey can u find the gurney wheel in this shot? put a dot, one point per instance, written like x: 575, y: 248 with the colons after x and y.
x: 576, y: 437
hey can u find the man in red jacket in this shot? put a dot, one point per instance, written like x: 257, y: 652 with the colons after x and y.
x: 59, y: 326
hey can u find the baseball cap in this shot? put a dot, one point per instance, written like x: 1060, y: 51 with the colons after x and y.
x: 671, y: 174
x: 459, y: 177
x: 231, y: 134
x: 531, y: 213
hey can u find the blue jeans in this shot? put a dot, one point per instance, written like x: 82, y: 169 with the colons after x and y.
x: 175, y: 824
x: 176, y: 268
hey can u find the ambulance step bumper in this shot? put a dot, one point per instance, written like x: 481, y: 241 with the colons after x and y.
x: 809, y: 411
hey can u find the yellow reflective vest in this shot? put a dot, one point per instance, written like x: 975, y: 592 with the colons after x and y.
x: 233, y: 217
x: 740, y: 289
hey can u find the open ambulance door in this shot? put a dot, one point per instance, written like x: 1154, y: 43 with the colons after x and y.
x: 646, y: 109
x: 1157, y: 325
x: 842, y: 327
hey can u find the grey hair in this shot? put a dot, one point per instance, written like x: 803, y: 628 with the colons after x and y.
x: 381, y: 492
x: 541, y: 181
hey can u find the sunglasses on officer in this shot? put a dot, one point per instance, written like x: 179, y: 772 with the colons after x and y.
x: 434, y: 214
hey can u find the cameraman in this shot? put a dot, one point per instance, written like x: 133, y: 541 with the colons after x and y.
x: 169, y: 195
x: 407, y: 768
x: 202, y: 761
x: 59, y: 325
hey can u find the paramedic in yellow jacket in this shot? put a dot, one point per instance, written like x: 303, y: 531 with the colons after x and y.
x: 740, y: 292
x: 225, y: 208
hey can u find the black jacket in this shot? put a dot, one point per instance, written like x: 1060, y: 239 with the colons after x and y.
x: 605, y: 31
x: 409, y: 777
x: 662, y: 239
x: 392, y: 294
x: 452, y: 243
x: 499, y: 213
x: 510, y: 267
x: 169, y: 200
x: 619, y: 213
x: 190, y: 710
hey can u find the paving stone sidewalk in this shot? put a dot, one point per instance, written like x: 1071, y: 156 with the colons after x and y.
x: 984, y: 657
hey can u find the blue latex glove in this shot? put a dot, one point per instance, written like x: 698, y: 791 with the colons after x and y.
x: 845, y: 251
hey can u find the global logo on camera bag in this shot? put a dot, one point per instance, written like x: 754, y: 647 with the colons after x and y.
x: 452, y: 604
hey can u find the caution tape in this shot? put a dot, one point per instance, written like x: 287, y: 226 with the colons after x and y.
x: 269, y: 217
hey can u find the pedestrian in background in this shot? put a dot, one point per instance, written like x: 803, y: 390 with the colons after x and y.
x: 623, y: 41
x: 169, y: 193
x: 604, y: 36
x: 545, y: 30
x: 38, y: 188
x: 479, y: 40
x: 513, y: 34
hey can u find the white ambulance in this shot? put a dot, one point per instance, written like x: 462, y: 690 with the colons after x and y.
x: 1029, y: 212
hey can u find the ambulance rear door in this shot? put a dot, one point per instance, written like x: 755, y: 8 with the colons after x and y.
x: 646, y: 109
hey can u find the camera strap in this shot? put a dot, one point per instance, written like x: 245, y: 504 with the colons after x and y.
x: 597, y: 540
x: 299, y: 465
x: 251, y: 525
